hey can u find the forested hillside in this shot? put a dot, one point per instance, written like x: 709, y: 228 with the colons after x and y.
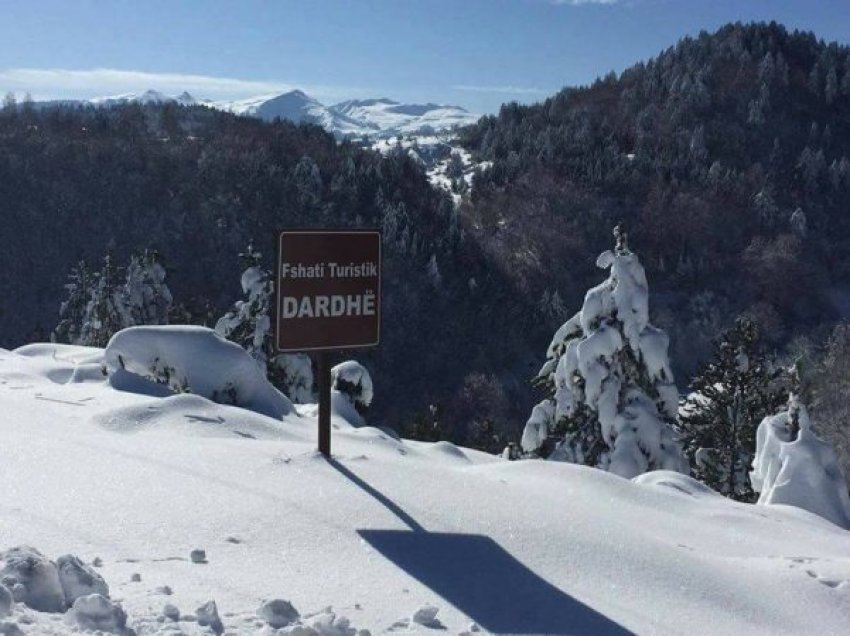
x: 727, y: 159
x: 197, y: 185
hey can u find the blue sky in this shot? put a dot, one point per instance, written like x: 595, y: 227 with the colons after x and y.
x: 475, y: 53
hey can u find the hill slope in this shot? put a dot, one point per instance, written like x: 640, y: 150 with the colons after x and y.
x: 385, y: 528
x: 727, y: 158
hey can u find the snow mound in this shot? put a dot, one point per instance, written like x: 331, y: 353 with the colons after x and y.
x: 193, y: 415
x: 447, y: 450
x: 197, y: 360
x: 78, y: 579
x: 671, y: 480
x: 62, y: 364
x: 36, y: 574
x: 97, y: 613
x: 802, y: 472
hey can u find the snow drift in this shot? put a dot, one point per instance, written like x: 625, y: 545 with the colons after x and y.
x: 196, y: 360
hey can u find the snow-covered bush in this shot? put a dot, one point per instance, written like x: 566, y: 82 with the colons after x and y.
x: 793, y: 466
x: 197, y: 360
x: 613, y: 401
x: 353, y: 380
x: 293, y: 374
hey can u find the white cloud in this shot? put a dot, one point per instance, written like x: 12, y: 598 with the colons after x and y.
x: 505, y: 90
x: 82, y: 84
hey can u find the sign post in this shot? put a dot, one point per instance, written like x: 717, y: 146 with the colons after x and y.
x: 328, y: 298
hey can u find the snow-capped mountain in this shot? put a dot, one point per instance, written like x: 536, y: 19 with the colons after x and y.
x: 150, y: 96
x: 379, y: 118
x: 295, y: 106
x: 393, y: 118
x: 359, y: 118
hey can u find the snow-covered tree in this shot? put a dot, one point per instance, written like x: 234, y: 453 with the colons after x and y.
x: 613, y: 401
x: 248, y: 323
x: 72, y: 311
x: 145, y: 298
x: 103, y: 316
x: 795, y: 467
x: 731, y: 394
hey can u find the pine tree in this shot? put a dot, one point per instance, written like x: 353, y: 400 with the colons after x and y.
x: 145, y: 298
x: 248, y: 323
x: 73, y: 309
x: 731, y: 394
x: 612, y: 399
x: 102, y: 318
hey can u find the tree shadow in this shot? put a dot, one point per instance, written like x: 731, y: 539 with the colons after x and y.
x: 479, y: 578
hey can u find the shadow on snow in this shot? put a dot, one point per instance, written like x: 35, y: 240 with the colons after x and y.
x: 478, y: 577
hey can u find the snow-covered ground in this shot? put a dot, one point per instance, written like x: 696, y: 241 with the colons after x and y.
x: 384, y: 532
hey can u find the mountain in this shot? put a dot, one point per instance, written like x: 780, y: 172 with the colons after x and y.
x: 391, y: 118
x: 368, y: 118
x: 297, y: 107
x: 150, y: 96
x: 375, y: 118
x: 727, y: 158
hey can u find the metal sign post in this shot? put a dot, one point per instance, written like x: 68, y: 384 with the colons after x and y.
x: 328, y: 298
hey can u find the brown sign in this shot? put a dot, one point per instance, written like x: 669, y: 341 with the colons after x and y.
x: 328, y: 289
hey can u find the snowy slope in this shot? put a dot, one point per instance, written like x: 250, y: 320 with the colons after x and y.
x: 393, y: 118
x: 383, y: 529
x: 295, y: 106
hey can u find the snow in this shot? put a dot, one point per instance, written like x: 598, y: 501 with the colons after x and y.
x: 384, y: 529
x: 195, y: 359
x: 799, y: 470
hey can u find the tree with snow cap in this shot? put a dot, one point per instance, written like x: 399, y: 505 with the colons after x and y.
x: 795, y: 467
x: 612, y: 400
x: 145, y: 298
x: 248, y: 323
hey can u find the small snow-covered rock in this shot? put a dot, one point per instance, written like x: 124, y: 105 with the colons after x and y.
x: 19, y: 592
x: 427, y: 616
x: 78, y: 579
x: 97, y: 562
x: 135, y: 577
x: 164, y: 589
x: 171, y: 612
x: 38, y: 577
x: 96, y: 612
x: 198, y: 556
x: 278, y: 613
x: 207, y: 616
x: 6, y: 601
